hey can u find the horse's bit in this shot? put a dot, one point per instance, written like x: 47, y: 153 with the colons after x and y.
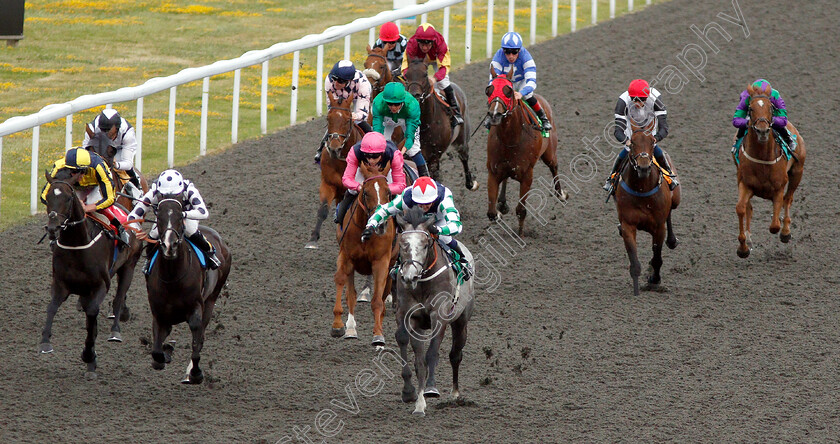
x: 761, y: 119
x: 342, y: 138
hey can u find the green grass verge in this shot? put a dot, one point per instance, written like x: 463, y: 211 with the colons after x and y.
x: 77, y: 47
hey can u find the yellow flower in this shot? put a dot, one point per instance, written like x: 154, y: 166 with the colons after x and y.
x: 191, y: 9
x: 6, y: 85
x: 116, y: 69
x: 240, y: 14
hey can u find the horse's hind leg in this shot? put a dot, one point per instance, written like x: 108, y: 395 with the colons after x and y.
x: 459, y: 339
x: 432, y: 358
x: 744, y: 210
x: 778, y: 199
x: 464, y: 155
x: 91, y: 305
x: 194, y: 374
x: 672, y: 240
x: 549, y: 158
x: 124, y: 277
x: 656, y: 261
x: 59, y: 295
x: 340, y: 282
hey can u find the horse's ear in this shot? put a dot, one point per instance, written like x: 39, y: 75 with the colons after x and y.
x: 510, y: 73
x: 89, y: 131
x: 368, y: 49
x: 493, y: 74
x: 400, y: 220
x: 430, y: 220
x: 47, y: 175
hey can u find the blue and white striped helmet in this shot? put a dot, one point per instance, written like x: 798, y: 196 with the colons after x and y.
x: 512, y: 40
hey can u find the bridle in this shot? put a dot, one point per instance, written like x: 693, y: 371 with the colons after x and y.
x: 634, y: 160
x: 421, y: 85
x: 360, y: 202
x: 53, y: 214
x: 377, y: 86
x: 342, y: 138
x: 761, y: 119
x: 179, y: 237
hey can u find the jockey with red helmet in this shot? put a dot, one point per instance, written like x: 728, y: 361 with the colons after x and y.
x: 428, y: 44
x: 393, y: 42
x: 172, y: 185
x: 376, y: 152
x: 95, y: 186
x: 433, y: 198
x: 641, y: 98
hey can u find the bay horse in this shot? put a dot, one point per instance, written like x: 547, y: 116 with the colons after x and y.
x: 372, y: 257
x: 377, y: 70
x: 429, y: 298
x: 100, y: 144
x: 644, y: 203
x: 764, y: 172
x: 514, y: 145
x: 179, y: 288
x: 436, y: 133
x: 342, y: 134
x: 83, y: 261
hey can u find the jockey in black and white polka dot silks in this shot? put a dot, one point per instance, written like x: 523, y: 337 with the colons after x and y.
x: 172, y: 185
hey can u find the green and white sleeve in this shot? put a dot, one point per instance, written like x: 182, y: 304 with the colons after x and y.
x: 383, y: 212
x: 450, y: 216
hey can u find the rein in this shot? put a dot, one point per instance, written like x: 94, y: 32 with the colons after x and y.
x: 181, y: 241
x: 434, y: 261
x: 634, y: 163
x: 358, y: 203
x: 753, y: 127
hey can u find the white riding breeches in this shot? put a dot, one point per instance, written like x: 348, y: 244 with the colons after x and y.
x: 190, y: 227
x: 390, y: 125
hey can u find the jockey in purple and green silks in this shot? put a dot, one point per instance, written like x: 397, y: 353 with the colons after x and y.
x: 741, y: 118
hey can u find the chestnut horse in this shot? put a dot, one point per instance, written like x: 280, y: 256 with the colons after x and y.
x: 377, y: 70
x: 436, y: 133
x: 764, y: 172
x: 83, y: 261
x: 369, y: 258
x: 341, y: 135
x: 514, y: 145
x: 644, y: 203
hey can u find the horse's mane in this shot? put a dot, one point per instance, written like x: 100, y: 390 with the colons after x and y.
x: 416, y: 216
x: 63, y: 174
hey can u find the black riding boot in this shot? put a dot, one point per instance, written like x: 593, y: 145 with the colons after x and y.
x: 342, y: 207
x: 150, y: 251
x: 785, y: 135
x: 544, y: 123
x: 423, y: 170
x: 122, y: 235
x: 453, y: 103
x: 320, y: 149
x: 365, y: 126
x: 201, y: 242
x: 456, y: 247
x: 134, y: 179
x: 663, y: 162
x: 608, y: 183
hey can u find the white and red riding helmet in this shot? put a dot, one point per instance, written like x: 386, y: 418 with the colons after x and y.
x: 424, y: 190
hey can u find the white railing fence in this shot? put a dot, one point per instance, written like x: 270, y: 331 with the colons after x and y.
x: 51, y: 113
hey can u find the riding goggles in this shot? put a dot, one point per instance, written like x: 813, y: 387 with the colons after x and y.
x: 425, y: 42
x: 511, y: 51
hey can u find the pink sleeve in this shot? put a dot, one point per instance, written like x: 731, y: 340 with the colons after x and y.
x: 349, y: 177
x: 397, y: 174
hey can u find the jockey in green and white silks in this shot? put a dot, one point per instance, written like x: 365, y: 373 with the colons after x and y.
x: 434, y: 198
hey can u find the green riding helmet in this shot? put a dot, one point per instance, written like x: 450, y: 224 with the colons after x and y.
x: 394, y: 92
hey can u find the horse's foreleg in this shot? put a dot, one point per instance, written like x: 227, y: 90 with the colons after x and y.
x: 420, y: 370
x: 502, y: 206
x: 59, y: 295
x: 744, y: 216
x: 340, y: 281
x: 628, y: 232
x: 377, y: 302
x: 459, y: 339
x: 194, y: 374
x: 432, y: 358
x: 524, y: 187
x: 159, y: 334
x: 778, y: 200
x: 492, y: 196
x: 464, y: 155
x: 550, y: 160
x: 402, y: 338
x: 326, y: 194
x: 351, y: 332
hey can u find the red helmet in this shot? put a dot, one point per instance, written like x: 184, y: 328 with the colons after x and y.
x: 639, y: 88
x: 425, y: 32
x: 389, y: 32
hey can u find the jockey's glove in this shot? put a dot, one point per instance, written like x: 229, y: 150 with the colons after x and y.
x: 367, y: 233
x: 434, y: 229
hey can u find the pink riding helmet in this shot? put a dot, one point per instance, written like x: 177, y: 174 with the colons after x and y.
x: 373, y: 142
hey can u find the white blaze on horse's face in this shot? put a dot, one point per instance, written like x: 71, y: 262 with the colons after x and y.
x: 760, y: 102
x: 56, y: 191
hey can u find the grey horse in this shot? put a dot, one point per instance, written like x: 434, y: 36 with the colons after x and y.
x: 429, y: 299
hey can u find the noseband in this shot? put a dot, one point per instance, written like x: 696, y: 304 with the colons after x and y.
x: 342, y: 138
x: 377, y: 85
x: 66, y: 223
x: 179, y: 235
x: 761, y: 119
x: 634, y: 160
x: 422, y: 266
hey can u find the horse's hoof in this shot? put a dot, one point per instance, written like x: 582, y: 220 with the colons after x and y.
x: 90, y: 376
x: 409, y: 396
x: 194, y: 379
x: 785, y: 237
x: 45, y: 348
x: 337, y: 332
x: 774, y: 230
x: 158, y: 365
x: 125, y: 314
x: 389, y: 299
x: 456, y: 394
x: 743, y: 254
x: 364, y: 295
x: 474, y: 186
x: 111, y: 315
x: 503, y: 208
x: 672, y: 243
x: 115, y: 337
x: 431, y: 392
x: 418, y: 412
x: 378, y: 340
x: 351, y: 334
x: 311, y: 245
